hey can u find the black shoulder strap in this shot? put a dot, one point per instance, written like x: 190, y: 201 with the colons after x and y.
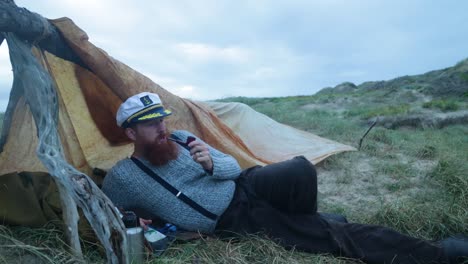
x: 174, y: 136
x: 174, y: 191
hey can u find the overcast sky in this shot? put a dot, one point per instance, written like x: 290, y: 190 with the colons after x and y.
x: 215, y: 49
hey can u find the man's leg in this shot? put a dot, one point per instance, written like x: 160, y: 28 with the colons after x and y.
x: 334, y: 217
x: 311, y: 232
x: 314, y: 234
x: 290, y: 186
x: 379, y: 244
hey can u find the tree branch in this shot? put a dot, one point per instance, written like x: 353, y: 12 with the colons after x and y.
x: 367, y: 132
x: 36, y: 30
x: 22, y: 29
x: 41, y: 96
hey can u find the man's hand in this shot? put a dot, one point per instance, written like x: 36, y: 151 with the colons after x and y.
x: 201, y: 154
x: 145, y: 222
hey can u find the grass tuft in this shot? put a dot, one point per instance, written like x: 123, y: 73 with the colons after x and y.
x: 40, y: 245
x: 419, y: 219
x: 426, y: 152
x: 453, y: 177
x: 366, y: 112
x: 248, y: 249
x: 442, y: 104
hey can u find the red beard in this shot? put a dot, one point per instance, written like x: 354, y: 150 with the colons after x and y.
x: 160, y: 154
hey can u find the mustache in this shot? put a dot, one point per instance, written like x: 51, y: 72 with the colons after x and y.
x: 160, y: 153
x: 162, y: 135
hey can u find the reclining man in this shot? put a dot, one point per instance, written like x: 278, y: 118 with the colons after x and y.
x: 199, y: 188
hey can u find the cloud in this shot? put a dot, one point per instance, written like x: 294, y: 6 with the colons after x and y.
x: 6, y: 72
x: 176, y: 87
x: 205, y: 52
x: 352, y: 73
x: 263, y: 73
x: 188, y: 91
x: 3, y: 104
x: 6, y: 76
x: 95, y: 17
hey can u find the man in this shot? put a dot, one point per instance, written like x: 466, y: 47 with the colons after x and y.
x: 199, y: 188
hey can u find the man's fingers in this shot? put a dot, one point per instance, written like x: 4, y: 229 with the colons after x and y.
x: 195, y: 144
x: 196, y: 150
x: 201, y: 156
x: 145, y: 222
x: 199, y: 151
x: 203, y: 159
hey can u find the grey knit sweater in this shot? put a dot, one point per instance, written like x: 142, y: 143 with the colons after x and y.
x: 132, y: 189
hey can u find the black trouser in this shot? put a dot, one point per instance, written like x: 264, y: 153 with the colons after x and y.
x: 281, y: 201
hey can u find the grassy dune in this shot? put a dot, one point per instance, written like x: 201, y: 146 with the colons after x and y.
x: 412, y: 179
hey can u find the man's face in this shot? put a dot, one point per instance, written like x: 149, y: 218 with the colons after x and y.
x: 151, y: 142
x: 150, y: 132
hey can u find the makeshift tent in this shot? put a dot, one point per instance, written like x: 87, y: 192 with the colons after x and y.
x: 88, y: 100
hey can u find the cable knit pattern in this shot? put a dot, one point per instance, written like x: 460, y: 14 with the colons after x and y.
x: 132, y: 189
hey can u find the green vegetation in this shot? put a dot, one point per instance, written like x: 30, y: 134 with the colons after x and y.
x: 413, y: 180
x: 366, y: 112
x: 444, y: 105
x: 464, y: 76
x: 424, y: 169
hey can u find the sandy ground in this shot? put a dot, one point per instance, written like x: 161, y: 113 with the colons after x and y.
x: 360, y: 188
x: 357, y: 186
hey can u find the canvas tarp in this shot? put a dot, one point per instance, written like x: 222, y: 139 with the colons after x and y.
x: 272, y: 140
x: 88, y: 101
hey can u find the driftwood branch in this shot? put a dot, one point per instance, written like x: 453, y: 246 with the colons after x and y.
x: 23, y: 29
x: 35, y: 29
x: 367, y: 132
x: 75, y: 187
